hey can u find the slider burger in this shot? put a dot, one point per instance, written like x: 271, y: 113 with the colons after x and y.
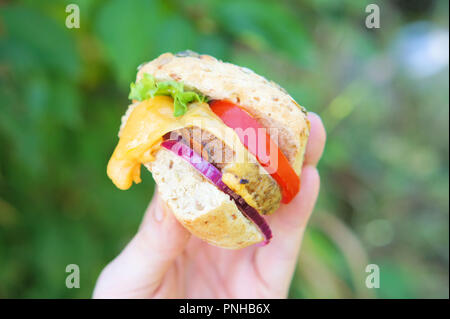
x: 225, y: 145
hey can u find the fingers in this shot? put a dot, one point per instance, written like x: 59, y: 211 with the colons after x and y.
x: 316, y: 140
x: 288, y: 225
x: 292, y: 218
x: 139, y: 269
x: 296, y: 214
x: 289, y: 222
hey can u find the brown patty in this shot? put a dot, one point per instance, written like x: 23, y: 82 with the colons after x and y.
x: 246, y: 179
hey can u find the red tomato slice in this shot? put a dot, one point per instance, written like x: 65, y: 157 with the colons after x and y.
x: 256, y: 139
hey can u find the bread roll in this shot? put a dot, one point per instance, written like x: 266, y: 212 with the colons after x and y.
x: 200, y: 206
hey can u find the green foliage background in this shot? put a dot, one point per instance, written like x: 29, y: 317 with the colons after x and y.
x: 384, y: 196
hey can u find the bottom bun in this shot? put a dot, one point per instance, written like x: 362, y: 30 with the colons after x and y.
x: 200, y: 206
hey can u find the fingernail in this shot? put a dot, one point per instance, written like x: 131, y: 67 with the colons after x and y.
x: 160, y: 211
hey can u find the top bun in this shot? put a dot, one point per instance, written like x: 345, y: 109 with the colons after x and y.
x: 267, y: 102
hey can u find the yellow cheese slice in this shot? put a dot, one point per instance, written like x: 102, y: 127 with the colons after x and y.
x: 149, y: 121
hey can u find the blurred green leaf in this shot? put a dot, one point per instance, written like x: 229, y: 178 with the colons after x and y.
x: 267, y: 25
x: 46, y: 39
x: 129, y: 31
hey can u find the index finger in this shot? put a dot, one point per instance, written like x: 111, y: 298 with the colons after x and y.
x: 316, y: 140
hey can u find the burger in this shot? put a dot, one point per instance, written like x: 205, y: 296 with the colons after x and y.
x: 225, y: 146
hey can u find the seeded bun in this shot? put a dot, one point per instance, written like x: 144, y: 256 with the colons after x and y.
x: 263, y: 99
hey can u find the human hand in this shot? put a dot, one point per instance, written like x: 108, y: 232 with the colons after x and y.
x: 164, y: 261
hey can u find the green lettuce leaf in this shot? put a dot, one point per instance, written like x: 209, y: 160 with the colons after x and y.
x: 147, y: 88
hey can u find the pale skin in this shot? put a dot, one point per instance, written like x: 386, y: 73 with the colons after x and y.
x: 164, y: 261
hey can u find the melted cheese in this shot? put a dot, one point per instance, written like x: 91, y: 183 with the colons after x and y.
x: 148, y: 122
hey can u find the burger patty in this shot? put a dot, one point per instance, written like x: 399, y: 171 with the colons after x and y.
x: 247, y: 179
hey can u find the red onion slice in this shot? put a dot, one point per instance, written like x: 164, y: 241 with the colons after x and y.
x: 214, y: 175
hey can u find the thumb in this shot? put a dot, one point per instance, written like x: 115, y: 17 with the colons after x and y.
x: 140, y: 268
